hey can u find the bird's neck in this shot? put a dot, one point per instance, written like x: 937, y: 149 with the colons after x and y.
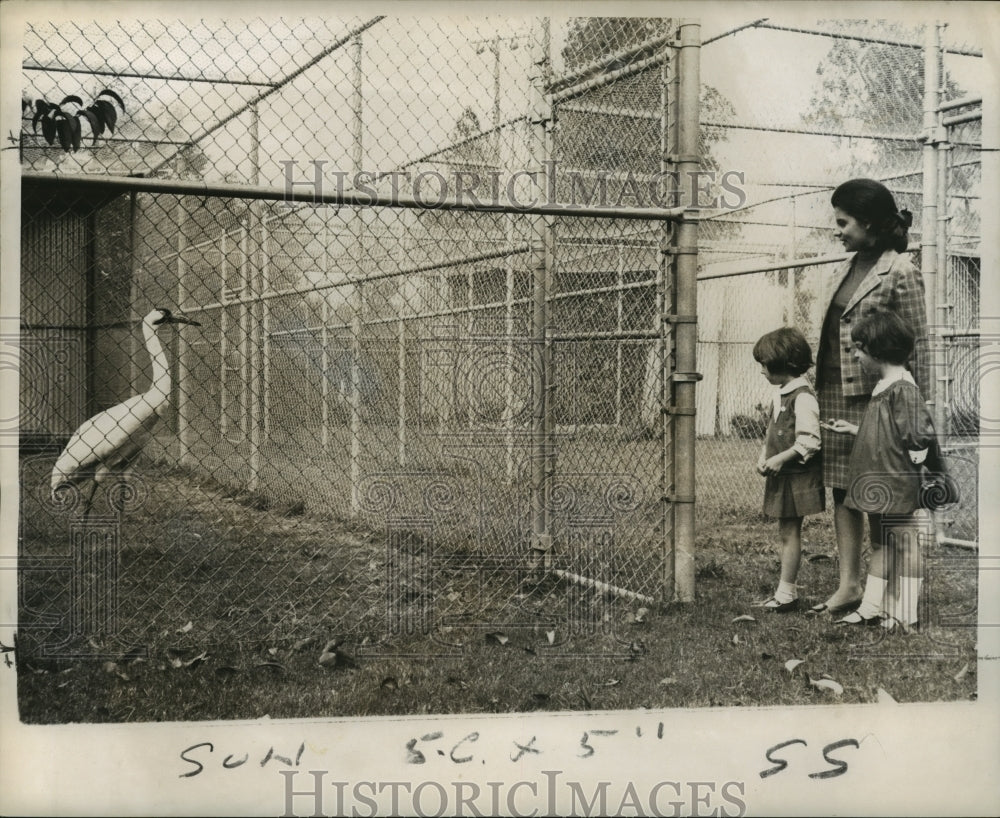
x: 161, y: 373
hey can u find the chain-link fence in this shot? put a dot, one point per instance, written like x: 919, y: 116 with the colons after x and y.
x: 490, y: 385
x: 766, y: 262
x: 392, y: 328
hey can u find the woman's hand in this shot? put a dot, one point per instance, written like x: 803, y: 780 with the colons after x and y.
x: 760, y: 464
x: 840, y: 427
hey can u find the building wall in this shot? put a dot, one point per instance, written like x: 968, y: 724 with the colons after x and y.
x: 53, y: 320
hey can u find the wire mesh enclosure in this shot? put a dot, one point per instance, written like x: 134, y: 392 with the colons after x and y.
x: 883, y: 96
x: 444, y: 278
x: 440, y: 318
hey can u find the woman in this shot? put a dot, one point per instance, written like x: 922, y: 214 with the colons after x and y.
x: 875, y: 279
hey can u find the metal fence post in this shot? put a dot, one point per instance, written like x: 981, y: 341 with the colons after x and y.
x: 929, y: 214
x: 244, y: 407
x: 619, y: 326
x: 664, y: 277
x: 257, y: 308
x: 508, y: 411
x: 942, y: 319
x: 183, y: 373
x: 325, y: 340
x: 542, y: 426
x: 686, y: 308
x: 134, y: 317
x: 357, y: 297
x: 401, y: 401
x: 223, y: 339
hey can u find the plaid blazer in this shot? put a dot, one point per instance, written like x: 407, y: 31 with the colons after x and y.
x: 892, y: 285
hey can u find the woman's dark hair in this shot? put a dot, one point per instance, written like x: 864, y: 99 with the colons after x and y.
x: 784, y: 351
x: 885, y: 336
x: 871, y: 203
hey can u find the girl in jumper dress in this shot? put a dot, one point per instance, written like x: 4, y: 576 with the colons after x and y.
x: 789, y: 458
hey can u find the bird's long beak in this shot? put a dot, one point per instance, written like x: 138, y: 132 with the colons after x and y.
x: 180, y: 319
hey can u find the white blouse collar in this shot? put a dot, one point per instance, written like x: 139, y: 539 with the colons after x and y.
x: 885, y: 383
x: 792, y: 385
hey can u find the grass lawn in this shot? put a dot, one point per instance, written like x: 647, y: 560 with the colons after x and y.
x: 226, y: 600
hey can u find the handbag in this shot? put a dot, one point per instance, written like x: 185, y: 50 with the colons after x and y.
x: 938, y: 488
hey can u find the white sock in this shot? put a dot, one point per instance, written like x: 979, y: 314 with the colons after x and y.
x: 871, y: 602
x: 787, y: 592
x: 891, y: 604
x: 909, y: 599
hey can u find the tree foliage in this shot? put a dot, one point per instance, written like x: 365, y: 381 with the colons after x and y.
x: 64, y: 124
x: 878, y: 85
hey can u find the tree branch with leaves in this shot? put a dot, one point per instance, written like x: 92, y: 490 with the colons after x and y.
x: 63, y: 121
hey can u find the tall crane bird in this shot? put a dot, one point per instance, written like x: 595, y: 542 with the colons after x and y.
x: 111, y: 440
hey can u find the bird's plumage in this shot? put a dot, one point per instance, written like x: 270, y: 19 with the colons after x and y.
x: 111, y: 440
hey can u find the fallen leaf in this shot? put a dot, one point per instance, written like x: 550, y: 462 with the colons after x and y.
x: 736, y: 639
x: 332, y: 656
x: 112, y: 668
x: 186, y: 628
x: 137, y: 653
x: 496, y: 636
x: 744, y: 618
x: 637, y: 647
x: 827, y: 684
x: 669, y: 680
x: 818, y: 557
x: 962, y: 673
x: 637, y: 618
x: 551, y: 636
x: 177, y: 662
x: 612, y: 683
x: 389, y: 683
x: 791, y: 664
x: 273, y: 651
x: 303, y: 643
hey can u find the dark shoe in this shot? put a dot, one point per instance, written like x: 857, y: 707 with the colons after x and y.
x: 854, y: 618
x: 773, y: 606
x: 893, y: 625
x: 836, y: 610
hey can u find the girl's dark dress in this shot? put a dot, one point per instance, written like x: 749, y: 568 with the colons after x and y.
x: 882, y: 477
x: 797, y: 490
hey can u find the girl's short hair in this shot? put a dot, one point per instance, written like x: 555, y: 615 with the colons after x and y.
x: 885, y: 336
x: 784, y: 351
x: 871, y: 203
